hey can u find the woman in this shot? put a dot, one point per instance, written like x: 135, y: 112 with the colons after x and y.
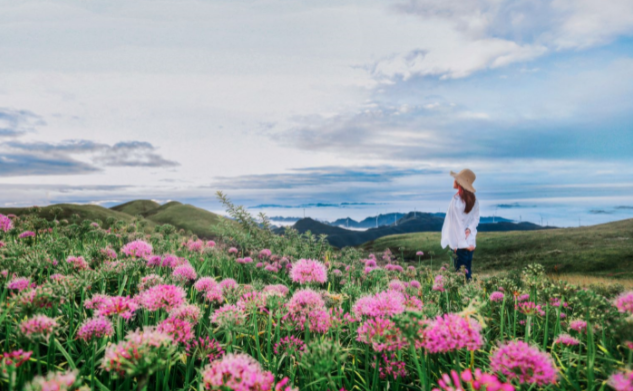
x: 460, y: 224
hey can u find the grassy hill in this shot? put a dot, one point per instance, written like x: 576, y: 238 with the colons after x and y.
x: 411, y: 222
x: 136, y: 207
x: 187, y: 217
x: 605, y: 249
x: 65, y: 211
x: 199, y: 221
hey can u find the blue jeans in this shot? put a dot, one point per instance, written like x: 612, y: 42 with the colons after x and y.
x: 464, y: 258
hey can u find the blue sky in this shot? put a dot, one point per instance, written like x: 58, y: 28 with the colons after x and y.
x: 293, y: 103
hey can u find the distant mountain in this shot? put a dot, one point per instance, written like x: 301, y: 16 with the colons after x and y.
x: 369, y: 222
x: 409, y: 223
x: 284, y: 219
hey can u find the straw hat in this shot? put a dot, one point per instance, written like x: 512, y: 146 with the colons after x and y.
x: 465, y: 179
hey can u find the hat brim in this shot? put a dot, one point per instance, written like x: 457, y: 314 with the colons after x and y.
x: 463, y: 184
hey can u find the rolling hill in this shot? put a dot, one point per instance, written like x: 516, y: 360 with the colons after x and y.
x: 65, y: 211
x: 199, y: 221
x: 411, y: 222
x: 136, y: 207
x: 605, y: 249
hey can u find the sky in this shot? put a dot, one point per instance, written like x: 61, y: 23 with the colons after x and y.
x: 341, y: 108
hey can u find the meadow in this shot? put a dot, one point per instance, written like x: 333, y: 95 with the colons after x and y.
x: 122, y: 304
x: 604, y: 250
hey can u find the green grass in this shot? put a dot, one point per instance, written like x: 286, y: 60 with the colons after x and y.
x: 65, y: 211
x: 604, y: 250
x: 199, y: 221
x: 136, y: 207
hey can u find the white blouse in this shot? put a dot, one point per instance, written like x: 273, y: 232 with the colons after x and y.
x: 456, y: 222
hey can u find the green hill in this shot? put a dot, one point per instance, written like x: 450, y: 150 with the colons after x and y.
x: 199, y: 221
x: 65, y: 211
x: 411, y: 222
x: 605, y: 249
x: 136, y: 207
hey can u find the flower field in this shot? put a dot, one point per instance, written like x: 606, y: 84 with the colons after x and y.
x: 119, y: 306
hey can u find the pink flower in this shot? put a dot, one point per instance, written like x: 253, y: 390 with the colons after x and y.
x: 370, y: 263
x: 204, y: 348
x: 5, y: 223
x: 38, y: 326
x: 195, y: 245
x: 439, y: 283
x: 566, y: 339
x: 19, y: 283
x: 276, y: 290
x: 265, y: 253
x: 624, y: 302
x: 133, y: 354
x: 214, y: 294
x: 233, y: 250
x: 318, y: 320
x: 397, y: 285
x: 108, y: 253
x: 452, y: 332
x: 95, y: 328
x: 555, y: 302
x: 2, y: 244
x: 178, y: 329
x: 527, y: 364
x: 228, y: 316
x: 184, y: 273
x: 412, y: 303
x: 390, y: 366
x: 26, y: 234
x: 167, y: 260
x: 530, y: 308
x: 118, y: 305
x: 204, y: 284
x: 78, y: 263
x: 382, y: 334
x: 477, y: 381
x: 137, y: 249
x: 394, y: 268
x: 14, y: 359
x: 415, y: 284
x: 523, y: 297
x: 96, y: 302
x: 578, y: 325
x: 210, y: 244
x: 420, y: 254
x: 369, y: 269
x: 54, y: 381
x: 228, y: 284
x: 237, y: 372
x: 252, y: 301
x: 304, y: 301
x: 291, y: 346
x: 496, y: 296
x: 382, y: 304
x: 149, y: 281
x: 621, y: 381
x: 188, y: 312
x: 307, y: 271
x: 162, y: 296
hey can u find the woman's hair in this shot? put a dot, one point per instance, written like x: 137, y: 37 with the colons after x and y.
x: 468, y: 198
